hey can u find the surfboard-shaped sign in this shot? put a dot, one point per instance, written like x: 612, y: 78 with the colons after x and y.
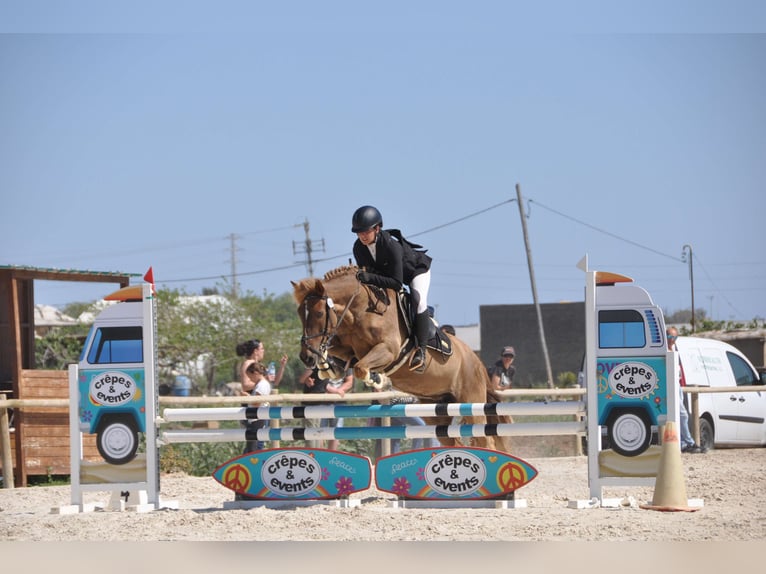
x: 452, y: 473
x: 296, y: 473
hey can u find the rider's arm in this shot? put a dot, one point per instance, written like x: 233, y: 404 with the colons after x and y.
x: 388, y: 269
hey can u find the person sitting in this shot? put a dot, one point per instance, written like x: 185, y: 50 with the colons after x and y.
x: 503, y: 370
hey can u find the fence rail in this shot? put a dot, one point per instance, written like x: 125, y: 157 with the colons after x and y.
x: 300, y: 398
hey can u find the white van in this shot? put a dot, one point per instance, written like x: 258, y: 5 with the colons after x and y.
x: 726, y: 418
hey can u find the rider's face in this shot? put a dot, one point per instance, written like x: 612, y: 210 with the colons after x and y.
x: 367, y: 237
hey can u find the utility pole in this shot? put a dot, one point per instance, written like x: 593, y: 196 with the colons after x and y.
x: 534, y: 286
x: 233, y: 250
x: 307, y: 248
x: 691, y: 273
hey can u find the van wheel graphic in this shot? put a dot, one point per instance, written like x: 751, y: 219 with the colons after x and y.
x: 629, y: 431
x: 117, y: 439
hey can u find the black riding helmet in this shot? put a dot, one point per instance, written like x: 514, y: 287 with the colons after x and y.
x: 366, y: 217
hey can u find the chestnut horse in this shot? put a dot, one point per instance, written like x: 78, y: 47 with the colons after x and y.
x: 346, y: 322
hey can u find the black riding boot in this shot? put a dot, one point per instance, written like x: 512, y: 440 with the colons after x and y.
x: 422, y: 325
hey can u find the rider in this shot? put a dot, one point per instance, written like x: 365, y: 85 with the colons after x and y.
x: 388, y: 260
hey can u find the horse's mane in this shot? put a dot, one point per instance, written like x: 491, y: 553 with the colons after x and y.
x: 341, y: 271
x: 312, y: 284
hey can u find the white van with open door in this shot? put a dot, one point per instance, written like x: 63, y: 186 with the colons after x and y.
x: 726, y: 418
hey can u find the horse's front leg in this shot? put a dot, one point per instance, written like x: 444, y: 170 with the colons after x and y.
x: 376, y: 359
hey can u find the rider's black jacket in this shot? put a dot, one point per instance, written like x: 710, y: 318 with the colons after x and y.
x: 396, y: 261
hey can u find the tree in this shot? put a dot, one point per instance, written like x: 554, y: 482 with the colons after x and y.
x: 60, y: 347
x: 684, y: 316
x: 703, y: 324
x: 198, y: 336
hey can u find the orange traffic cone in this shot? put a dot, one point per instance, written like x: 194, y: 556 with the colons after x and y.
x: 669, y: 487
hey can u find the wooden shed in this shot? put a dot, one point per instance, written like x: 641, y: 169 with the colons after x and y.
x: 40, y: 436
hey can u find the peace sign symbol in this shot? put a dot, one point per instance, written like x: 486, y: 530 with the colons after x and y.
x: 511, y: 476
x: 237, y: 478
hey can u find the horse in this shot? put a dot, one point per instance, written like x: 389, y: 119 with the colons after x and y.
x: 349, y: 323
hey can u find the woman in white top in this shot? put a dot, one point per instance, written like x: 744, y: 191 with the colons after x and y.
x: 255, y: 383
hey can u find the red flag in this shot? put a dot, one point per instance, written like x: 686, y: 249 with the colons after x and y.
x: 149, y: 277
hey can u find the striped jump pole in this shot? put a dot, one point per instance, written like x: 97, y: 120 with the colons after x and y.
x: 354, y: 433
x: 373, y: 411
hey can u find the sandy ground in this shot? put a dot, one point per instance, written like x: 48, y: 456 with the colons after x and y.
x: 731, y: 483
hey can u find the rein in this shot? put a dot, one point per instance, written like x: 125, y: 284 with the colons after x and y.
x: 326, y: 334
x: 329, y: 332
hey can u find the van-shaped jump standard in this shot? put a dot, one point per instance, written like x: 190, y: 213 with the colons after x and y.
x: 112, y: 374
x: 631, y: 364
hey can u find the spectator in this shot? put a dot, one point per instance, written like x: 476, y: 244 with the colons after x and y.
x: 400, y: 421
x: 255, y: 383
x: 312, y: 384
x: 340, y: 386
x: 255, y: 350
x: 502, y: 372
x: 409, y: 421
x: 686, y: 441
x: 274, y: 375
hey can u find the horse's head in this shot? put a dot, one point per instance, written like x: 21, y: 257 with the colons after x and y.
x: 317, y: 312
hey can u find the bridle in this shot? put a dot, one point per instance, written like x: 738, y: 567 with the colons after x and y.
x: 328, y: 333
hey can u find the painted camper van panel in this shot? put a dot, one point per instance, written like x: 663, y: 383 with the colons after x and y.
x: 631, y: 364
x: 112, y: 379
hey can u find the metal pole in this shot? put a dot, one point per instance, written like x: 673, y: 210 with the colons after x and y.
x: 534, y: 286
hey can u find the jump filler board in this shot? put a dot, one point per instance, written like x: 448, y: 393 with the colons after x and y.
x: 430, y: 476
x: 452, y: 474
x: 295, y: 474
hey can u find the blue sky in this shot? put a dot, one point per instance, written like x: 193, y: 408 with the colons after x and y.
x: 150, y: 137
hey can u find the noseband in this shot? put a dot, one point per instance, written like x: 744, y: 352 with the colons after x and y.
x: 327, y: 334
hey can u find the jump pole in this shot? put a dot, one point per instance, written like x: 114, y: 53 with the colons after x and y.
x: 354, y: 433
x: 373, y: 411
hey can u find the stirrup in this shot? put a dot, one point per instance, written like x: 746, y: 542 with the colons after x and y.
x: 418, y: 360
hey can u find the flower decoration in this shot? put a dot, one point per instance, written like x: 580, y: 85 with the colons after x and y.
x: 344, y: 485
x: 401, y: 486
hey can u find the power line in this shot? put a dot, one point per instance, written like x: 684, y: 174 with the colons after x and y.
x: 717, y: 290
x: 606, y: 232
x: 348, y: 254
x: 693, y: 256
x: 463, y: 218
x: 342, y: 255
x: 219, y: 276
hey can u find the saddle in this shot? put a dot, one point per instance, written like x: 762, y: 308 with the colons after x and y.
x: 437, y: 340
